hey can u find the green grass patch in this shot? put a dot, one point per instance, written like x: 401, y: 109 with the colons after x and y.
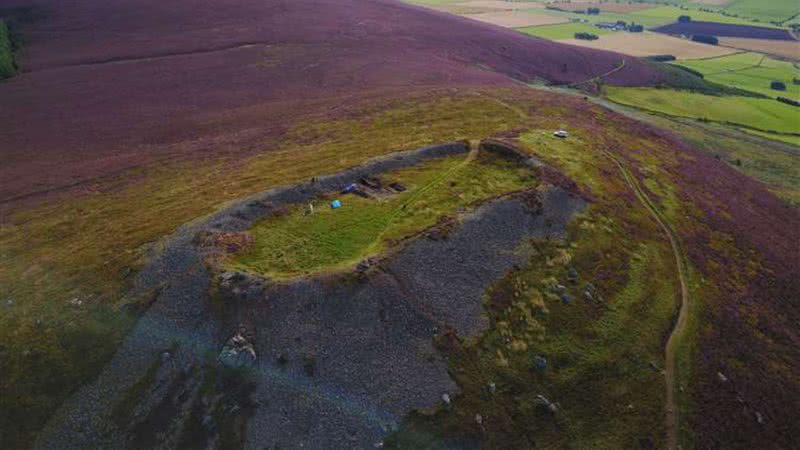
x: 761, y: 114
x: 661, y: 15
x: 562, y: 31
x: 765, y: 11
x: 749, y: 71
x: 298, y: 243
x: 8, y: 66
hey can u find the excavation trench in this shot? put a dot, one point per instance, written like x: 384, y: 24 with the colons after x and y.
x: 341, y: 359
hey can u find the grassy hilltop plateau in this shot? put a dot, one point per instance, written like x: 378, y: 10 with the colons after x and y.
x: 432, y: 224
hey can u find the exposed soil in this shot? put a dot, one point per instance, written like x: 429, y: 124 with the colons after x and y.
x: 341, y: 359
x: 145, y: 81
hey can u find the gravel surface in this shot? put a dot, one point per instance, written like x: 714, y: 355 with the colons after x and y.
x: 341, y: 359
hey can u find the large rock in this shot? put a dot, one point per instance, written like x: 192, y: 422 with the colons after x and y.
x: 238, y: 351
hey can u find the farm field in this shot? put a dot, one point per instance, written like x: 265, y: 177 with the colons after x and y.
x: 604, y: 6
x: 772, y: 10
x: 761, y: 114
x: 563, y: 31
x: 785, y: 49
x: 663, y: 15
x: 647, y: 44
x: 516, y: 19
x: 749, y: 71
x: 726, y: 30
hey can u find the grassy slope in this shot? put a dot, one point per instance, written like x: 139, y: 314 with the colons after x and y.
x: 562, y: 31
x: 761, y: 114
x: 300, y: 244
x: 7, y: 67
x: 82, y: 247
x: 764, y: 10
x: 772, y: 163
x: 749, y: 71
x: 598, y: 353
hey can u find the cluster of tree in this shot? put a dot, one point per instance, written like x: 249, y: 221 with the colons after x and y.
x: 778, y: 85
x: 586, y: 36
x: 705, y: 39
x: 662, y: 58
x: 684, y: 19
x: 789, y: 101
x: 593, y: 11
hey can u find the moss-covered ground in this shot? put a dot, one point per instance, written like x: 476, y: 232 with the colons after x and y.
x: 298, y: 243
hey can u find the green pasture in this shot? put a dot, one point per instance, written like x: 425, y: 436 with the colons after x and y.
x: 562, y: 31
x: 759, y: 113
x: 764, y: 10
x: 301, y: 243
x: 749, y: 71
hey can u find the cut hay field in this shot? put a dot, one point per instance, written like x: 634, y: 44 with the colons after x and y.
x: 496, y: 4
x: 647, y: 44
x: 761, y: 114
x: 663, y: 15
x: 516, y: 19
x: 604, y: 6
x: 563, y: 31
x: 784, y: 49
x: 771, y: 10
x: 749, y: 71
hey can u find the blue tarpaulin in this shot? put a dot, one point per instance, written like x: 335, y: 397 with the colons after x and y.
x: 336, y: 204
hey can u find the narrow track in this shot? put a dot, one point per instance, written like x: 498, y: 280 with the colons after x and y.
x: 671, y: 408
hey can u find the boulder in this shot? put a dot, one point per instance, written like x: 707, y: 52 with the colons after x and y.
x: 238, y: 351
x: 540, y: 362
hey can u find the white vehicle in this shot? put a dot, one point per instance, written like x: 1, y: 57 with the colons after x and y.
x: 560, y: 134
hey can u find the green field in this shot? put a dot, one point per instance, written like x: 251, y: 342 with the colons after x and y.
x: 761, y: 10
x: 765, y: 10
x: 7, y: 66
x: 658, y: 16
x: 761, y: 114
x: 299, y: 243
x: 749, y: 71
x: 562, y: 31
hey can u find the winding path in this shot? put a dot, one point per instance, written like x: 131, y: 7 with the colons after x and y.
x: 671, y: 408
